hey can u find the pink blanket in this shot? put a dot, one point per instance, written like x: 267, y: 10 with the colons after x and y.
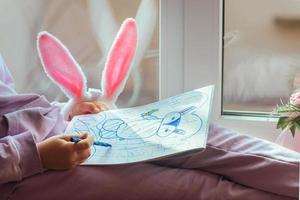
x: 233, y: 167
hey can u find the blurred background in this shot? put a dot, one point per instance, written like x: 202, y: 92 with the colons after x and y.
x: 261, y: 54
x: 87, y: 28
x: 261, y: 47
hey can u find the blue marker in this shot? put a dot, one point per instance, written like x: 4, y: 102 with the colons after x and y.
x: 98, y: 143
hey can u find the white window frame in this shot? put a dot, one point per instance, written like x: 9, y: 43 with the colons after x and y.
x: 191, y: 57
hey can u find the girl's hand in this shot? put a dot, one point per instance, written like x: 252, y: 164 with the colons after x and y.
x: 85, y: 107
x: 59, y: 153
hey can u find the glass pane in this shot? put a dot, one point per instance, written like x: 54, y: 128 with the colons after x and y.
x: 87, y: 28
x: 261, y: 57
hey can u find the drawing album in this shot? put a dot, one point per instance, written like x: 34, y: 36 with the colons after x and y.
x: 177, y: 125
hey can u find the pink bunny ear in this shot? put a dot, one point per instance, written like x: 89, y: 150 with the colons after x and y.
x: 60, y: 66
x: 118, y: 64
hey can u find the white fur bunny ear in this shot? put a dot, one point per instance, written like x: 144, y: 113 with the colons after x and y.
x: 60, y: 66
x: 119, y: 61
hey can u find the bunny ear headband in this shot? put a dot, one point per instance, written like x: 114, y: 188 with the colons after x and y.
x: 63, y: 70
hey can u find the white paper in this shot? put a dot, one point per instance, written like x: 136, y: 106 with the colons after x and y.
x: 172, y: 126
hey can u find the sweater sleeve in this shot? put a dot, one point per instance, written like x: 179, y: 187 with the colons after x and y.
x: 25, y: 119
x: 19, y: 157
x: 23, y: 129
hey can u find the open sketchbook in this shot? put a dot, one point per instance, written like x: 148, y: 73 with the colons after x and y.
x: 177, y: 125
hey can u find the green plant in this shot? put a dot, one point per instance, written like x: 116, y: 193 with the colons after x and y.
x: 289, y: 114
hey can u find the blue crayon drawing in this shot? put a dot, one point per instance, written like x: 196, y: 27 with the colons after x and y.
x: 146, y: 132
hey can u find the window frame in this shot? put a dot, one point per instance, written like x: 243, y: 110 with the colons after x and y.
x: 191, y: 57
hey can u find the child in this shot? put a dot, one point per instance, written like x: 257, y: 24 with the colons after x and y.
x: 20, y: 134
x: 36, y: 163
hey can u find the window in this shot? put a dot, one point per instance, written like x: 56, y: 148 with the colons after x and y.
x: 261, y: 55
x: 202, y: 61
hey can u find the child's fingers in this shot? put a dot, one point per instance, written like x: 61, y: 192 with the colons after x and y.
x: 84, y: 144
x: 92, y: 107
x: 82, y: 156
x: 88, y: 108
x: 68, y: 137
x: 84, y: 108
x: 83, y: 135
x: 102, y: 107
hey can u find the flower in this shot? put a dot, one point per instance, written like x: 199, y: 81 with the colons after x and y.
x: 295, y: 99
x: 289, y: 114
